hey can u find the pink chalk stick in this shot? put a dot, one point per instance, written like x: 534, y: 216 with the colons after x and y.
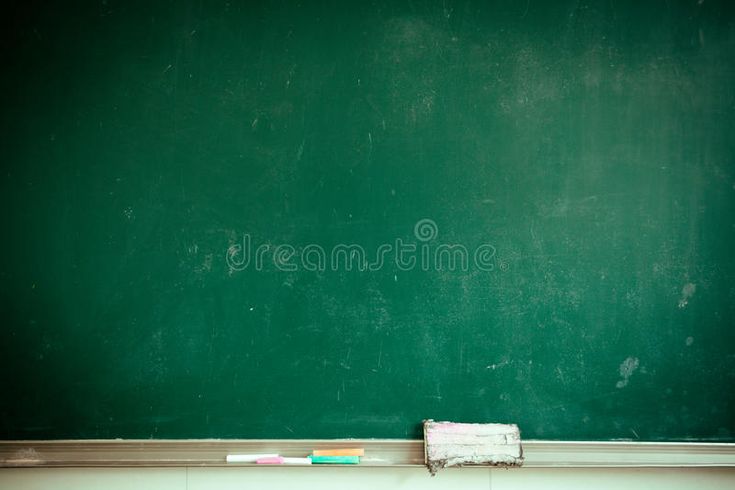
x: 270, y: 460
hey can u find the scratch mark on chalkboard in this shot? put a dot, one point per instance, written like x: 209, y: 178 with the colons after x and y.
x: 346, y: 363
x: 686, y: 293
x: 561, y: 375
x: 502, y: 363
x: 525, y: 12
x: 380, y: 354
x: 627, y: 368
x: 300, y: 152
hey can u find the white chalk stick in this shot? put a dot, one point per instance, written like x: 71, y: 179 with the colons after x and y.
x: 248, y: 458
x: 296, y: 460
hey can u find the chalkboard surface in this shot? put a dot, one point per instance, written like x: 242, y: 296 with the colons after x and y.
x: 336, y: 219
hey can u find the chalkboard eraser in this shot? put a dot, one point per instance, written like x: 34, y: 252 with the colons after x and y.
x: 335, y: 459
x: 248, y: 458
x: 453, y: 444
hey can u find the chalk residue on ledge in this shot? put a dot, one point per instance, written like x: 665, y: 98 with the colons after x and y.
x: 452, y: 444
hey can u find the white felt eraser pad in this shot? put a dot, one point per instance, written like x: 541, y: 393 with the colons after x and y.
x: 453, y: 444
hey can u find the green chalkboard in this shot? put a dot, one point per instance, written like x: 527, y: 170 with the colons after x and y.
x: 335, y: 219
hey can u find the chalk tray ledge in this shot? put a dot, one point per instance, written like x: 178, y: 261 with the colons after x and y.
x: 378, y: 453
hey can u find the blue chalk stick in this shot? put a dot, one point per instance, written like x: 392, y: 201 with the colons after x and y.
x: 335, y: 459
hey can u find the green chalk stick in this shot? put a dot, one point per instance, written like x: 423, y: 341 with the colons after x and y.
x: 335, y: 459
